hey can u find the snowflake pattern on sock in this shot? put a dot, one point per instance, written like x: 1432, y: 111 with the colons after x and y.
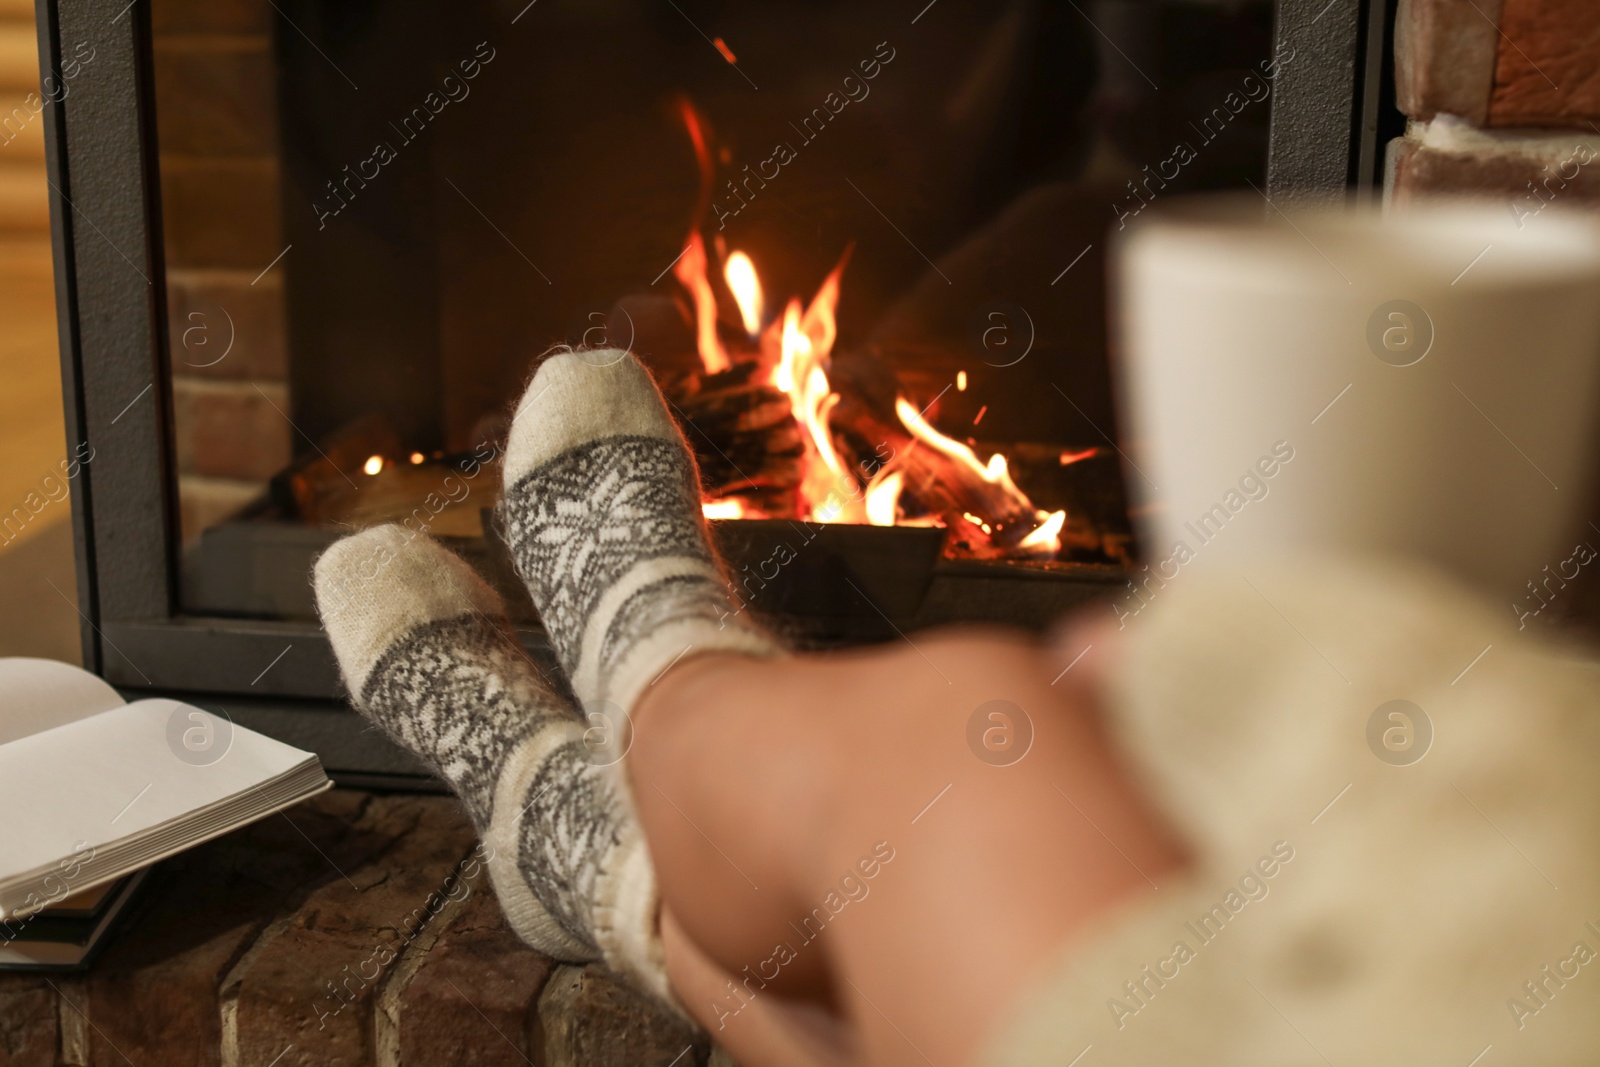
x: 570, y: 821
x: 458, y: 692
x: 462, y: 695
x: 581, y: 521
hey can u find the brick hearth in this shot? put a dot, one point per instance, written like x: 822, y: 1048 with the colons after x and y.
x: 353, y: 929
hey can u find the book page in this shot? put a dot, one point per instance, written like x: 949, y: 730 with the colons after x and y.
x: 77, y: 788
x: 37, y: 694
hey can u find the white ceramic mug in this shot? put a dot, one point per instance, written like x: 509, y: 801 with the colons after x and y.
x: 1421, y: 383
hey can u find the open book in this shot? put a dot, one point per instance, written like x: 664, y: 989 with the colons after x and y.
x: 93, y: 788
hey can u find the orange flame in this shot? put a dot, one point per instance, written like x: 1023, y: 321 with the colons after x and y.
x: 995, y: 473
x: 798, y: 346
x: 690, y: 270
x: 828, y: 493
x: 1045, y: 540
x: 746, y: 289
x: 819, y: 323
x: 696, y: 125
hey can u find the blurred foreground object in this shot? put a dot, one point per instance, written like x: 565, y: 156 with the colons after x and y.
x: 1378, y: 834
x: 1421, y: 384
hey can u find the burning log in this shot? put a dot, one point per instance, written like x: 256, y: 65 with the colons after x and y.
x: 745, y: 440
x: 956, y: 495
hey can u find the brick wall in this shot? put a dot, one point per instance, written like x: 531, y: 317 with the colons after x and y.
x: 217, y: 124
x: 1503, y: 98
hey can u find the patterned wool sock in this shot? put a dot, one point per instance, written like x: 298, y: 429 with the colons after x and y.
x: 602, y: 512
x: 429, y: 658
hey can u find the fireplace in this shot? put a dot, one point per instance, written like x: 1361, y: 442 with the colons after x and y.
x: 310, y: 252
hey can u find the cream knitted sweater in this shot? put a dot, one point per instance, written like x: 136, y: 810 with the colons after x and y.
x: 1345, y: 907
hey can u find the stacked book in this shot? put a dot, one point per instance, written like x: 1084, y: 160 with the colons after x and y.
x: 95, y: 790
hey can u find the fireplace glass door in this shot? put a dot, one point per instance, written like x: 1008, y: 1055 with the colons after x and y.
x: 860, y: 245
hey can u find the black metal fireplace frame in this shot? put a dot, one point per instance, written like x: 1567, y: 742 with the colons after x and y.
x: 105, y: 216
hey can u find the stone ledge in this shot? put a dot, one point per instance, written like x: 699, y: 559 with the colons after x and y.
x: 354, y: 929
x: 1525, y: 170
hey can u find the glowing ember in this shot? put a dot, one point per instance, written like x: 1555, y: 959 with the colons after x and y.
x: 416, y: 458
x: 961, y: 381
x: 1069, y: 458
x: 731, y: 508
x: 373, y: 465
x: 746, y: 289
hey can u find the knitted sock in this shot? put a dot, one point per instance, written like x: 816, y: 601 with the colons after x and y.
x: 602, y: 513
x: 429, y: 658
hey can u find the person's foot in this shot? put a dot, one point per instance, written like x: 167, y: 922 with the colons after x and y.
x: 429, y: 657
x: 602, y: 511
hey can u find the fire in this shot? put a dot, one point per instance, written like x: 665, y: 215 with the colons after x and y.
x: 828, y: 492
x: 799, y: 346
x: 995, y: 473
x: 746, y: 289
x: 1045, y: 539
x: 793, y: 354
x: 690, y: 270
x: 883, y: 497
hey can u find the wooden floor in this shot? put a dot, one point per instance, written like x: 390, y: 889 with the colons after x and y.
x: 36, y: 620
x: 37, y: 612
x: 31, y: 432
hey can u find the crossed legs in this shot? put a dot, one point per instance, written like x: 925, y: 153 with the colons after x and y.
x: 762, y: 786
